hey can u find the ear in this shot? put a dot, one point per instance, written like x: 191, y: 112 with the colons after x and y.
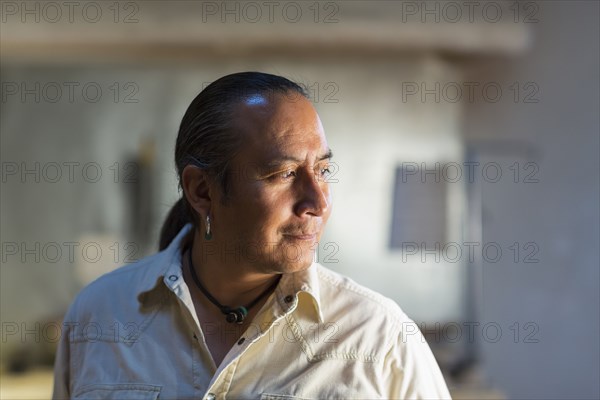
x: 197, y: 189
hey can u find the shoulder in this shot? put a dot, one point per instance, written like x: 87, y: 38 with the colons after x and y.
x: 342, y: 297
x: 120, y: 289
x: 114, y: 295
x: 353, y: 293
x: 375, y: 324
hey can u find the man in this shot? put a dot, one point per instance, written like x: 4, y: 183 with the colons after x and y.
x: 234, y: 306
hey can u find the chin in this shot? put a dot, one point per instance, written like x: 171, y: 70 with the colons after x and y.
x: 289, y: 266
x: 286, y: 257
x: 297, y: 267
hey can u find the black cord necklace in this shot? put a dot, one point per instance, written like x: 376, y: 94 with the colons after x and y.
x: 232, y: 315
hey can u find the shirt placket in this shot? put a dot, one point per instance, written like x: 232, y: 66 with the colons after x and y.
x: 280, y: 304
x: 202, y: 361
x: 221, y: 383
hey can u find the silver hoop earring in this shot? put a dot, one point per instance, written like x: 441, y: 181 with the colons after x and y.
x: 208, y: 234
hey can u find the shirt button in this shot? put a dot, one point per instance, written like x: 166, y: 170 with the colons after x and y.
x: 241, y: 341
x: 172, y: 278
x: 211, y: 396
x: 289, y: 298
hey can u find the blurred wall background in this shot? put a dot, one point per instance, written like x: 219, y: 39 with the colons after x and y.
x: 466, y: 142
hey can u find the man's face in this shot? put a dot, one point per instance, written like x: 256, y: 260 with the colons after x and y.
x: 279, y: 200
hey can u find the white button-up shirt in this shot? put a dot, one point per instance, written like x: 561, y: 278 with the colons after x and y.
x: 134, y: 334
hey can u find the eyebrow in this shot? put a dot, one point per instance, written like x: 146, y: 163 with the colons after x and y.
x: 278, y: 161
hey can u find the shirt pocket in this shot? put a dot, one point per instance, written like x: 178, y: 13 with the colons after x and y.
x: 119, y: 391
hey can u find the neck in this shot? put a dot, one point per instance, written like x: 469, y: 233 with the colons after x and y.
x: 230, y: 284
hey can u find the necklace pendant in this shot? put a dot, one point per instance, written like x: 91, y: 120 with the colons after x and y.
x: 231, y: 317
x: 236, y: 315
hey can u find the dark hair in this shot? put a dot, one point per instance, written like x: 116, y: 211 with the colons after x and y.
x: 206, y: 139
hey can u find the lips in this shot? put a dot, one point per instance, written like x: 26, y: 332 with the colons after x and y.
x: 301, y: 236
x: 304, y: 237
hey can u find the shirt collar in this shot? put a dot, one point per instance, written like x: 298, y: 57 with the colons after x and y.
x: 164, y: 266
x: 167, y: 267
x: 301, y: 290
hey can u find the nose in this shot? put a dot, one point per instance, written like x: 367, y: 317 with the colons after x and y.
x: 314, y: 195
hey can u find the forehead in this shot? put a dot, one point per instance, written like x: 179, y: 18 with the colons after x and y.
x: 278, y: 124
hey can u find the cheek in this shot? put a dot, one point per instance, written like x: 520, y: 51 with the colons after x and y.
x: 329, y: 197
x: 271, y: 207
x: 328, y: 213
x: 258, y: 213
x: 327, y: 191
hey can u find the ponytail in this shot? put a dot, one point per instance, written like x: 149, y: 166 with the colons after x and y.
x: 177, y: 218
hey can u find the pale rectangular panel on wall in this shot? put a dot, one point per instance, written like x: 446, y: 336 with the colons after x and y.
x: 418, y: 208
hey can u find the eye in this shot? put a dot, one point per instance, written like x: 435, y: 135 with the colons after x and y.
x: 324, y: 173
x: 287, y: 174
